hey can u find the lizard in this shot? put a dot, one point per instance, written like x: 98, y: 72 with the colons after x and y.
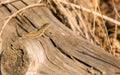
x: 40, y: 32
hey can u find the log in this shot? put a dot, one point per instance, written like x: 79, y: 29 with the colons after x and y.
x: 58, y: 52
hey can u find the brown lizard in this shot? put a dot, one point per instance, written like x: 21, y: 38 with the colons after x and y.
x: 38, y: 33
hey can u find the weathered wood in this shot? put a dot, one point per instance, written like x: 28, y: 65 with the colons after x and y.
x: 58, y: 52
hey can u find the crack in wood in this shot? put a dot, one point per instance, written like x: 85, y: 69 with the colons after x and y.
x: 21, y: 52
x: 6, y: 7
x: 62, y: 51
x: 17, y: 32
x: 23, y: 28
x: 69, y: 56
x: 117, y: 73
x: 85, y: 53
x: 53, y: 43
x: 102, y: 72
x: 14, y: 6
x: 22, y: 56
x: 31, y: 22
x: 24, y: 2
